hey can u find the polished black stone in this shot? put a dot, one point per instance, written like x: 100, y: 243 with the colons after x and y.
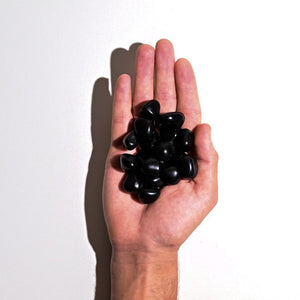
x: 188, y: 167
x: 171, y: 120
x: 130, y: 141
x: 143, y: 129
x: 131, y: 183
x: 150, y: 110
x: 148, y: 196
x: 171, y: 175
x: 128, y: 162
x: 184, y: 140
x: 165, y: 151
x: 148, y: 144
x: 152, y: 182
x: 150, y: 166
x: 167, y: 134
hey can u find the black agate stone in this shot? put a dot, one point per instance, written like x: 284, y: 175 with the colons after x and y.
x: 150, y: 166
x: 148, y: 196
x: 172, y: 120
x: 144, y: 129
x: 130, y: 141
x: 188, y: 167
x: 184, y: 140
x: 150, y: 110
x: 171, y: 175
x: 165, y: 151
x: 128, y: 162
x: 131, y: 183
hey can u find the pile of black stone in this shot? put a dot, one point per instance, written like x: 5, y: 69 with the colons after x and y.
x: 163, y: 156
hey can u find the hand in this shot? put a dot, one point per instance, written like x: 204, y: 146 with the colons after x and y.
x: 166, y: 223
x: 145, y: 238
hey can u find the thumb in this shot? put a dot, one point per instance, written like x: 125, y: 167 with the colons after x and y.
x: 204, y: 148
x: 206, y: 180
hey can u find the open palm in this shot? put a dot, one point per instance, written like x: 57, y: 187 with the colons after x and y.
x: 167, y: 222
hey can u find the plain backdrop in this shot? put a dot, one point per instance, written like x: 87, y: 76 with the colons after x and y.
x: 59, y: 61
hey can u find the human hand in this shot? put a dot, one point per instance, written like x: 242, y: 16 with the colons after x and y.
x: 145, y: 238
x: 166, y: 223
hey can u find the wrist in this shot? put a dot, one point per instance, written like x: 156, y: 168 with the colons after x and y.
x: 139, y: 274
x: 142, y: 256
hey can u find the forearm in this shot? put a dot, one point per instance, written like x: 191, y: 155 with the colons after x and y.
x: 143, y: 276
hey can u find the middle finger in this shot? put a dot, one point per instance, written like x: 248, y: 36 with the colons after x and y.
x: 165, y: 91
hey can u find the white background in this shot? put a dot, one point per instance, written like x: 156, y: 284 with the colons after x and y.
x: 246, y: 58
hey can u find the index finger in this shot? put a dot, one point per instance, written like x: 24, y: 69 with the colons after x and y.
x: 121, y: 114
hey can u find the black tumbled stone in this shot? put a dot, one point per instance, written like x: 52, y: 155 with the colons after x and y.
x: 167, y: 134
x: 148, y: 196
x: 165, y: 151
x: 171, y: 175
x: 171, y: 120
x: 184, y: 140
x: 152, y: 182
x: 128, y: 162
x: 188, y: 167
x: 143, y: 128
x: 150, y: 110
x: 148, y: 144
x: 150, y: 166
x: 130, y: 141
x: 131, y: 183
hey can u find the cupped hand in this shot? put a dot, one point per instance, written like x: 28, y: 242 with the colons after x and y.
x: 166, y: 223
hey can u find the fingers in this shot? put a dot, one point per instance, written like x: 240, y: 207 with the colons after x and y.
x: 183, y: 96
x: 165, y: 91
x: 187, y: 94
x: 121, y: 114
x: 143, y: 85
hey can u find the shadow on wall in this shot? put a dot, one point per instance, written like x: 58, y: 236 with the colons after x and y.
x: 122, y: 61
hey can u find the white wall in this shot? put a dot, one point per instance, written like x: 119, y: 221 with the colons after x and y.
x: 246, y: 58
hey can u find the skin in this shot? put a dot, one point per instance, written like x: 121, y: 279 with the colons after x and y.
x: 146, y: 238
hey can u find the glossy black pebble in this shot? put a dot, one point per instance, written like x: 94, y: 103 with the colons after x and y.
x: 143, y: 128
x: 188, y: 167
x: 184, y: 140
x: 150, y: 142
x: 128, y: 162
x: 168, y: 134
x: 150, y: 110
x: 171, y: 175
x: 148, y: 196
x: 171, y: 120
x: 165, y: 151
x: 131, y: 183
x: 152, y: 182
x: 130, y: 141
x: 150, y: 166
